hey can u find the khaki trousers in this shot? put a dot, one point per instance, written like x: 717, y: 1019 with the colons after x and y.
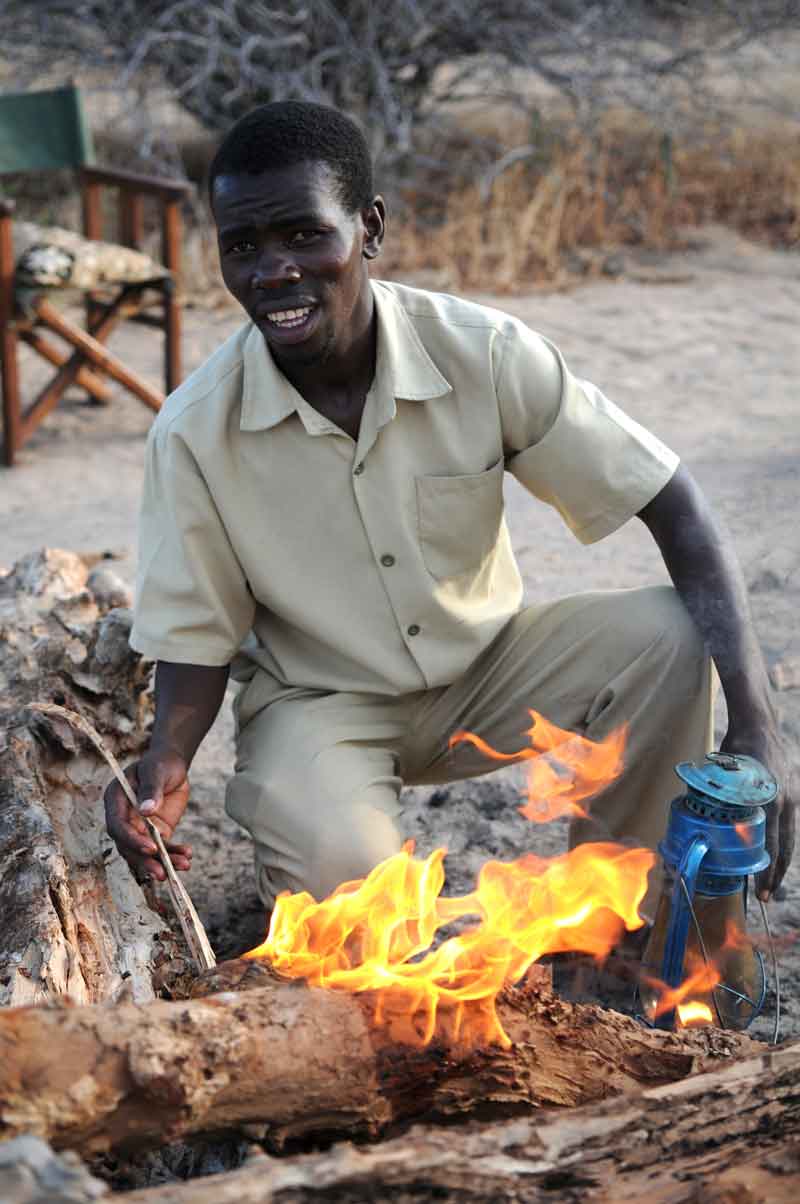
x: 318, y: 776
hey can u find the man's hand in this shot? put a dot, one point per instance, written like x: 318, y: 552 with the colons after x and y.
x: 162, y: 788
x: 765, y: 744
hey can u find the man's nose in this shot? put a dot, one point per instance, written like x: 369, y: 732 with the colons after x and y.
x: 273, y: 269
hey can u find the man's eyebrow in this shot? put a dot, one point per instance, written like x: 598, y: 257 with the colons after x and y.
x: 308, y: 218
x: 236, y: 231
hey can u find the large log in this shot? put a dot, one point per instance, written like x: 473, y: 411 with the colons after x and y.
x: 731, y: 1136
x: 302, y: 1063
x: 74, y: 922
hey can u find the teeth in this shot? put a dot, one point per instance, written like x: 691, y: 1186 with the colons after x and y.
x: 289, y: 315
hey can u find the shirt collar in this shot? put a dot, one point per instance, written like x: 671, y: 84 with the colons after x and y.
x: 403, y: 370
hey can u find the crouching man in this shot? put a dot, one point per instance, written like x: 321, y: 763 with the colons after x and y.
x: 323, y: 518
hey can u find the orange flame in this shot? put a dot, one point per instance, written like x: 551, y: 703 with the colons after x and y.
x: 375, y: 934
x: 699, y: 981
x: 694, y: 1012
x: 565, y: 768
x: 743, y: 831
x: 379, y: 934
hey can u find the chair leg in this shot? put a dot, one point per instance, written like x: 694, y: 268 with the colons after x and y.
x: 172, y: 337
x: 97, y: 389
x: 67, y: 374
x: 12, y: 412
x: 100, y: 357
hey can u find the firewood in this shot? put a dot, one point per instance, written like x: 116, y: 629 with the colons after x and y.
x: 74, y: 921
x: 303, y: 1062
x: 725, y: 1137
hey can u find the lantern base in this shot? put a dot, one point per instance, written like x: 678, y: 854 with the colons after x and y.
x: 721, y: 979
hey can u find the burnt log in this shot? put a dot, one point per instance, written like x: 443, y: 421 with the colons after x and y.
x: 729, y: 1136
x: 301, y: 1063
x: 74, y: 922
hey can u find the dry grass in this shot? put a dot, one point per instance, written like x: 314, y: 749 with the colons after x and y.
x: 564, y: 217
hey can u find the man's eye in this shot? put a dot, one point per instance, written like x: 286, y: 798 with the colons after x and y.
x: 244, y: 246
x: 301, y: 237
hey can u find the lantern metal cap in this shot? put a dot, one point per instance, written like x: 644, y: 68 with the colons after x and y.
x: 734, y: 781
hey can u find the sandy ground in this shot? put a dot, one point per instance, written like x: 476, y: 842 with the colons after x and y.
x: 701, y: 347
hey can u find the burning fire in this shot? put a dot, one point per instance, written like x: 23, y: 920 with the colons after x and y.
x: 565, y: 769
x: 707, y: 1006
x: 694, y: 1013
x: 700, y: 981
x: 376, y: 934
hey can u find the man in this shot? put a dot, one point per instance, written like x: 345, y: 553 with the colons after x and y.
x: 323, y: 512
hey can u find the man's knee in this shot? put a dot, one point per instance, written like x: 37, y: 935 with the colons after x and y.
x: 309, y: 838
x: 344, y: 849
x: 677, y: 630
x: 656, y: 617
x: 349, y: 847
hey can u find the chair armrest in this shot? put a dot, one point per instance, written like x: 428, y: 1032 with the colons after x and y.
x: 167, y: 190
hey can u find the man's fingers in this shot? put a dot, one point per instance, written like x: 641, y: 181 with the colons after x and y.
x: 785, y: 846
x: 148, y: 867
x: 179, y: 854
x: 766, y: 880
x: 179, y: 850
x: 166, y: 829
x: 150, y: 789
x: 131, y: 844
x: 780, y: 846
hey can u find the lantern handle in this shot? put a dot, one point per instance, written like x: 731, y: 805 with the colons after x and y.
x: 680, y: 914
x: 776, y: 1032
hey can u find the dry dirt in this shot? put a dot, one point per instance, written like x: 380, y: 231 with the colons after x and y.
x: 701, y: 347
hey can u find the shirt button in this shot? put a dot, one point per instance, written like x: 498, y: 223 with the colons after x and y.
x: 387, y: 560
x: 414, y: 629
x: 359, y: 468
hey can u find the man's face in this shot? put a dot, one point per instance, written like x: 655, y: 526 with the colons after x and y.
x: 295, y: 259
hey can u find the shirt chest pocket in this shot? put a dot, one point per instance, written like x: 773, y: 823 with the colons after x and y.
x: 459, y: 520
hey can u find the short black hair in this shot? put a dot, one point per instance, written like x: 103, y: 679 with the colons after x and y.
x: 285, y: 132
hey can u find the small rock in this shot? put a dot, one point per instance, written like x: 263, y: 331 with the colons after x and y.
x: 108, y: 588
x: 112, y: 647
x: 614, y: 264
x: 774, y: 570
x: 32, y: 1173
x: 785, y: 674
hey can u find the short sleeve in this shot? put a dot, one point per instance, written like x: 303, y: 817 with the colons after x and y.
x: 193, y: 604
x: 569, y: 445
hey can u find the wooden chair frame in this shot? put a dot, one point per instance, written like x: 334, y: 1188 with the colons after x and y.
x: 91, y: 362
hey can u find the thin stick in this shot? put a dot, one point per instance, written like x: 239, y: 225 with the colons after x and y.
x: 190, y: 922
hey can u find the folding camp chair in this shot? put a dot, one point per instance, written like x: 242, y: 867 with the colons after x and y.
x: 40, y: 131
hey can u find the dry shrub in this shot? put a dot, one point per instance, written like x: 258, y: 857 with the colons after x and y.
x: 547, y: 221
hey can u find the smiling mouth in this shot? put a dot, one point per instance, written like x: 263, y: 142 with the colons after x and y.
x: 288, y: 319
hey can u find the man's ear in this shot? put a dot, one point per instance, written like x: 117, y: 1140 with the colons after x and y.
x: 374, y: 219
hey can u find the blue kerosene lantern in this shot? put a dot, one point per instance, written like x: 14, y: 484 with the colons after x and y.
x: 715, y: 839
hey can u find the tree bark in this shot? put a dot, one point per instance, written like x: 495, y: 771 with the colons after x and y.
x: 731, y: 1136
x: 303, y: 1063
x: 74, y: 922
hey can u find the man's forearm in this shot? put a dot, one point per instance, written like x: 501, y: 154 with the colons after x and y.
x: 705, y: 571
x: 188, y: 698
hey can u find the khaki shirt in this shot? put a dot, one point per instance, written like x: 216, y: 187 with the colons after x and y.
x: 384, y: 565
